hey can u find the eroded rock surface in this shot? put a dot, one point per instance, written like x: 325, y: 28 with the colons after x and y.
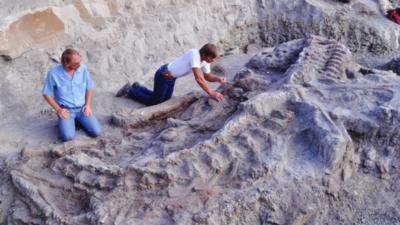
x: 393, y: 65
x: 354, y: 24
x: 301, y: 137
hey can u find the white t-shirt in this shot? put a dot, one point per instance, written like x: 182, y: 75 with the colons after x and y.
x: 183, y: 65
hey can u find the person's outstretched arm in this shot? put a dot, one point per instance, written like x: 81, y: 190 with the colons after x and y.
x: 213, y: 78
x: 199, y: 77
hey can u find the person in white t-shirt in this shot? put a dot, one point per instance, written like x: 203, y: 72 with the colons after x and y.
x: 192, y: 61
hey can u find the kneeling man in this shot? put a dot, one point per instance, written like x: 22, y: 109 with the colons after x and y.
x: 193, y: 60
x: 68, y: 89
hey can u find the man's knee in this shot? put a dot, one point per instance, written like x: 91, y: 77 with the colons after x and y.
x: 66, y: 130
x: 67, y: 136
x: 159, y: 100
x: 95, y: 133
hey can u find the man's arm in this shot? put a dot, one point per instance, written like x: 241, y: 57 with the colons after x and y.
x: 87, y: 109
x: 199, y: 77
x: 213, y: 78
x: 63, y: 113
x: 48, y: 91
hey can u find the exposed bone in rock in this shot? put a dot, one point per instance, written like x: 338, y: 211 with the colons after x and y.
x: 127, y: 118
x: 193, y: 160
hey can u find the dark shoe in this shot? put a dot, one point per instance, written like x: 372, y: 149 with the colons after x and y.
x: 124, y: 90
x: 135, y: 84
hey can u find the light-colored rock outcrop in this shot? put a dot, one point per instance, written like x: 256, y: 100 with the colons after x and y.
x: 49, y: 26
x: 42, y: 27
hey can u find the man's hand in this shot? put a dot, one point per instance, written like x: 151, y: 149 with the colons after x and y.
x: 87, y: 110
x: 217, y: 96
x: 201, y: 80
x: 167, y: 75
x: 63, y: 113
x: 222, y: 80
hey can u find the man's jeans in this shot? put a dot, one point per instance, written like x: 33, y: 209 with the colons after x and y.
x: 66, y: 127
x: 163, y: 89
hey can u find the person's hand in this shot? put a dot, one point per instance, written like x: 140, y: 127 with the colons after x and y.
x: 217, y: 96
x: 222, y: 80
x: 167, y: 75
x: 63, y: 113
x: 86, y: 110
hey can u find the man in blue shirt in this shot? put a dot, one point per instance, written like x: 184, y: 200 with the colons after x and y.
x: 68, y: 89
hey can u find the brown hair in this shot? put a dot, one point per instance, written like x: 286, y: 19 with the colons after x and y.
x: 67, y: 55
x: 209, y: 50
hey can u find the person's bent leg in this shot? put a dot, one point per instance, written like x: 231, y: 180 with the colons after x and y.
x: 141, y: 94
x: 147, y: 97
x: 170, y: 89
x: 162, y: 85
x: 66, y: 128
x: 90, y: 124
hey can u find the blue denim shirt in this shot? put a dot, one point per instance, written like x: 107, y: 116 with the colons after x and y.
x: 69, y: 91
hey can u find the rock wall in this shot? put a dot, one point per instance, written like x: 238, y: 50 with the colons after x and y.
x: 361, y: 25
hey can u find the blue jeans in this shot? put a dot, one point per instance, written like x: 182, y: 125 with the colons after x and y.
x: 163, y: 89
x: 66, y: 127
